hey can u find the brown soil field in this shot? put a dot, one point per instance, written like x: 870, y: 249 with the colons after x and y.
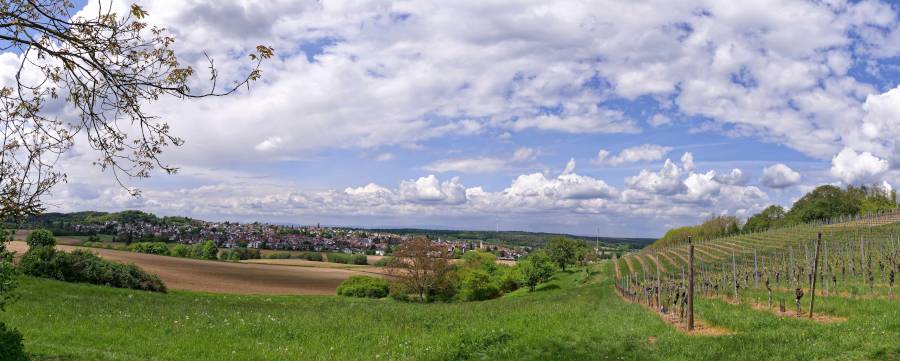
x: 225, y: 277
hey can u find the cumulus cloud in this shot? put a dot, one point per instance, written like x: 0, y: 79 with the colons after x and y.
x: 667, y: 181
x: 641, y: 153
x: 430, y: 190
x: 779, y: 176
x: 854, y: 168
x: 735, y: 177
x: 687, y: 161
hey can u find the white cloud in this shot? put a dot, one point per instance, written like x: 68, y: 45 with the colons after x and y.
x: 658, y: 120
x: 641, y: 153
x: 779, y: 176
x: 735, y: 177
x: 666, y: 182
x: 469, y: 165
x: 269, y: 144
x: 854, y: 168
x: 570, y: 166
x: 687, y: 161
x: 524, y: 154
x: 383, y: 157
x: 430, y: 190
x: 483, y: 164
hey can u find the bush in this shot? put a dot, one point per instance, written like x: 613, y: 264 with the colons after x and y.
x: 158, y: 248
x: 509, y: 278
x: 40, y: 238
x: 383, y: 262
x: 360, y: 259
x: 278, y: 255
x: 180, y: 250
x: 205, y: 250
x: 477, y: 285
x: 85, y: 267
x: 238, y: 254
x: 364, y: 286
x: 11, y: 347
x: 339, y: 258
x: 313, y: 256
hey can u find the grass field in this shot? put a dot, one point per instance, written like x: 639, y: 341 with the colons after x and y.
x: 567, y: 319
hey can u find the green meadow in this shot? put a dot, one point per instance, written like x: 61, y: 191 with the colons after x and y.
x: 576, y: 316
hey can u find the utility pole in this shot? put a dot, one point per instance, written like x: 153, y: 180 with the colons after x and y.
x: 690, y: 284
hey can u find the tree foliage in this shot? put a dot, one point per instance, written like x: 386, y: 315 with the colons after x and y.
x: 422, y: 268
x: 823, y: 203
x: 565, y: 251
x: 40, y: 238
x: 771, y: 217
x: 536, y: 269
x: 105, y: 67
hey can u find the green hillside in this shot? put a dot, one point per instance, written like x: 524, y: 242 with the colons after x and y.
x: 567, y: 319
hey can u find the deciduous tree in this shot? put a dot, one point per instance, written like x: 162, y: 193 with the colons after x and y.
x: 422, y: 267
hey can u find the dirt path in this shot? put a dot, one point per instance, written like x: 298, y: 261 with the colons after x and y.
x: 226, y: 277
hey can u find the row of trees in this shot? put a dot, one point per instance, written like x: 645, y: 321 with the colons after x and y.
x: 423, y: 270
x: 823, y: 203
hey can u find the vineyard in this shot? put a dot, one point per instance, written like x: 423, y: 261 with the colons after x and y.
x: 784, y: 271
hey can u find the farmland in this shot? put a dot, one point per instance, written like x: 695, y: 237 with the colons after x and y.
x: 229, y: 277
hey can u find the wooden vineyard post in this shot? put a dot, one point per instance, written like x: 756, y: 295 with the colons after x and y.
x: 734, y: 279
x: 658, y: 283
x: 812, y: 300
x: 690, y: 297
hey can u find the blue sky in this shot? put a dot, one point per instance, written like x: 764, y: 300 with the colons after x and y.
x: 566, y: 116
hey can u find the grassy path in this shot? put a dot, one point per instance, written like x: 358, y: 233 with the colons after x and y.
x: 574, y: 317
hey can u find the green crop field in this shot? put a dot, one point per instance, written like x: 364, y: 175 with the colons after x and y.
x: 574, y: 317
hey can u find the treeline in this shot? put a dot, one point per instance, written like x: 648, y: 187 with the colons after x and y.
x: 422, y: 271
x: 821, y: 204
x: 514, y: 238
x: 62, y: 223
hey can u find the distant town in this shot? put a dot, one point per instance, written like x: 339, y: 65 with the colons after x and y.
x: 136, y: 226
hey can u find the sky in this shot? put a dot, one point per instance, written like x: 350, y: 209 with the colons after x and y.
x: 622, y: 118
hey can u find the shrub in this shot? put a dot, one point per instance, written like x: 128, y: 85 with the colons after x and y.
x: 158, y: 248
x: 383, y: 262
x: 313, y: 256
x: 360, y: 259
x: 11, y: 347
x: 278, y: 255
x: 85, y: 267
x: 509, y: 278
x: 339, y: 258
x: 364, y: 286
x: 180, y: 250
x: 238, y: 254
x: 477, y: 285
x: 40, y: 238
x: 204, y: 250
